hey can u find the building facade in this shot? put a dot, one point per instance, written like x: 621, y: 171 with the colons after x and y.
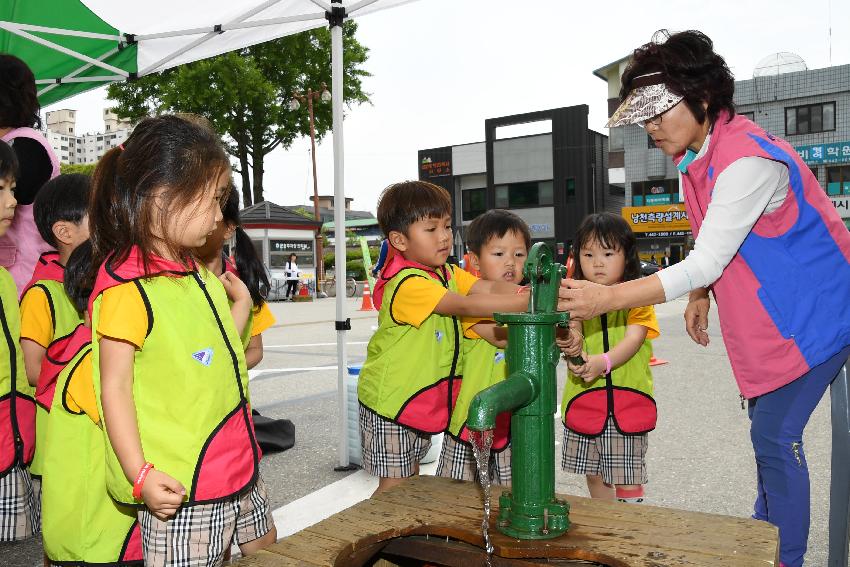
x: 551, y: 179
x: 808, y: 108
x: 74, y: 148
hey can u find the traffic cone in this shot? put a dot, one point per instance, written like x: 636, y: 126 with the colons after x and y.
x: 656, y: 361
x: 366, y: 304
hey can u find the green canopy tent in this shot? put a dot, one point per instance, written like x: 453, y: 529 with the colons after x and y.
x: 76, y: 45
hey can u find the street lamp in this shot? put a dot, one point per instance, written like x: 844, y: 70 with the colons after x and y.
x: 294, y: 104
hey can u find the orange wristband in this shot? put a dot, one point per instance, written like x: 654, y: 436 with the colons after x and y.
x: 140, y: 480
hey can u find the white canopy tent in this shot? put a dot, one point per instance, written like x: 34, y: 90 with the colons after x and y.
x: 76, y: 45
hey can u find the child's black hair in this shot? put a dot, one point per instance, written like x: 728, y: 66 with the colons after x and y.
x: 64, y: 198
x: 402, y: 204
x: 250, y: 267
x: 609, y: 231
x: 8, y: 162
x: 76, y: 276
x: 494, y: 223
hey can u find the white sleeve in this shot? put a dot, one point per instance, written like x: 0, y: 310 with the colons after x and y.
x: 743, y: 192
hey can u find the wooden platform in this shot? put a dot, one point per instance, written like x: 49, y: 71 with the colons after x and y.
x: 448, y: 514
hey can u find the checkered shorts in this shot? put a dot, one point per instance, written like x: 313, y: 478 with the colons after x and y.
x: 20, y: 505
x: 617, y: 458
x: 198, y: 536
x: 390, y: 450
x: 458, y: 461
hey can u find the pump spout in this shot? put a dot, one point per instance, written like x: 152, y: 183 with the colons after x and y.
x: 518, y: 390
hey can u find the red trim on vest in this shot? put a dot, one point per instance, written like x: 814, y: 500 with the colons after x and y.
x: 59, y: 353
x: 395, y: 263
x: 132, y: 269
x: 47, y: 268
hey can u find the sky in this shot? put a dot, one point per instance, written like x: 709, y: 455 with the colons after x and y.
x: 441, y: 67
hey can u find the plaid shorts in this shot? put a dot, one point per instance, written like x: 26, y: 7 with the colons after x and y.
x: 617, y: 458
x: 458, y: 461
x: 390, y: 450
x: 198, y: 536
x: 20, y: 506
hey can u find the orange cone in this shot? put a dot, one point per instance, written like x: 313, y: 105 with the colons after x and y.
x: 366, y: 304
x: 657, y: 361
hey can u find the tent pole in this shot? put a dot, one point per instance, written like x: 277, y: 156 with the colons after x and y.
x: 336, y: 19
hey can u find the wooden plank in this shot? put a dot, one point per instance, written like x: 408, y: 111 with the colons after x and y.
x: 609, y: 533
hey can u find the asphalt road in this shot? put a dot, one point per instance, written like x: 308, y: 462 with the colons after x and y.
x: 700, y: 457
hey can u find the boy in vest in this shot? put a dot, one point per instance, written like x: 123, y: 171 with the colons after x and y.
x: 498, y: 242
x: 411, y: 377
x: 47, y: 313
x: 19, y: 510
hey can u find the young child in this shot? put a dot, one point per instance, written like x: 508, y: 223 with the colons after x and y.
x: 608, y: 407
x: 19, y: 507
x: 247, y: 267
x: 46, y: 311
x: 498, y: 242
x: 81, y: 524
x: 169, y: 367
x: 411, y: 377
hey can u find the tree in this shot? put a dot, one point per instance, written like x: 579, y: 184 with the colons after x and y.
x: 245, y: 94
x: 84, y: 168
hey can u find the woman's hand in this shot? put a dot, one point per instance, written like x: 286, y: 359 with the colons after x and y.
x: 583, y: 299
x: 593, y: 368
x: 162, y: 494
x: 696, y: 316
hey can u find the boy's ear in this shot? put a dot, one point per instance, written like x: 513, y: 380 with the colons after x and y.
x: 475, y: 261
x: 62, y: 232
x: 398, y: 240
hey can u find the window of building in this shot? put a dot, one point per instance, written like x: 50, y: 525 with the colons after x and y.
x: 108, y: 127
x: 100, y: 138
x: 751, y: 116
x: 64, y: 148
x: 660, y: 192
x: 70, y: 129
x: 616, y: 139
x: 474, y: 203
x: 570, y: 187
x: 810, y: 118
x: 814, y: 171
x: 526, y: 194
x: 838, y: 180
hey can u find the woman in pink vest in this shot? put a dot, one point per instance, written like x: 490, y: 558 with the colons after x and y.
x: 22, y: 245
x: 770, y: 247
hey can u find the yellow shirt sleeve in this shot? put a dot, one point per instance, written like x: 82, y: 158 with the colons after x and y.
x: 464, y: 280
x: 468, y: 322
x: 36, y: 318
x: 262, y: 320
x: 645, y: 316
x: 79, y: 393
x: 415, y: 299
x: 123, y: 315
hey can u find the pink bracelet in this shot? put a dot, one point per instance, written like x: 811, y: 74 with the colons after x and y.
x: 607, y: 363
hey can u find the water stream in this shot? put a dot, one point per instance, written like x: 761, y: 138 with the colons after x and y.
x: 481, y: 442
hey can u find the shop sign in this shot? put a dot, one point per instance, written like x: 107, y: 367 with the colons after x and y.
x: 290, y: 245
x: 657, y: 199
x: 658, y: 220
x: 842, y: 204
x: 836, y: 152
x: 435, y: 163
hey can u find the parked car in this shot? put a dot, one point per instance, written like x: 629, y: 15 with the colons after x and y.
x: 648, y: 268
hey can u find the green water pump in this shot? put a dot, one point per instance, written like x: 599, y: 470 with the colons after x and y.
x: 529, y: 510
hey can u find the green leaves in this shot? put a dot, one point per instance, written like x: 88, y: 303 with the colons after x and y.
x: 245, y: 94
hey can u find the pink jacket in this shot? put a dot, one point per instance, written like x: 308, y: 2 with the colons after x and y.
x: 784, y: 299
x: 22, y: 245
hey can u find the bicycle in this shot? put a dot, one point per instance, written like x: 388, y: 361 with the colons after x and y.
x: 329, y: 286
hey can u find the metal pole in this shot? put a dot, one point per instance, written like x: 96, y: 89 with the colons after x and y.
x: 839, y: 490
x: 320, y: 263
x: 339, y: 240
